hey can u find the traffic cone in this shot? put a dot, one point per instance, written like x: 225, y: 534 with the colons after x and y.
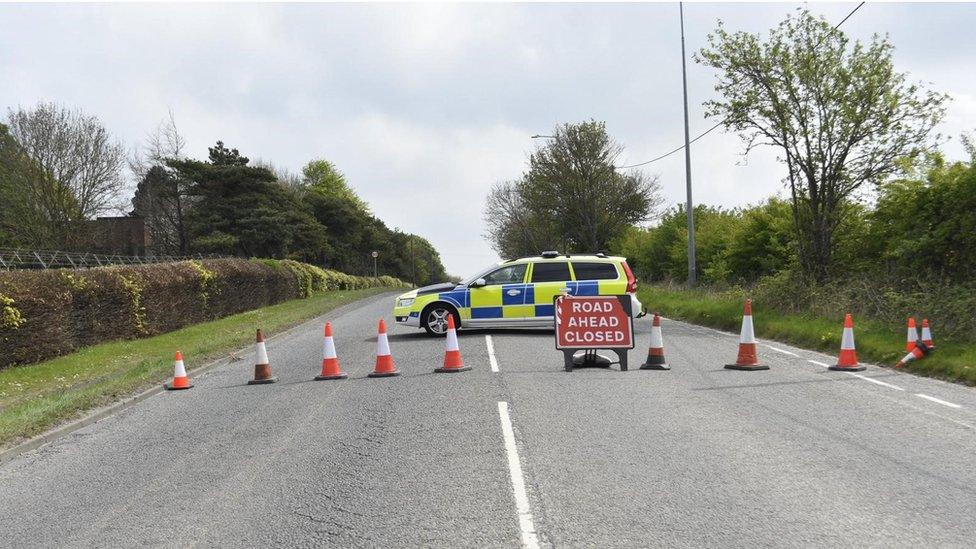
x: 655, y: 353
x: 384, y: 360
x: 912, y: 334
x: 330, y: 363
x: 180, y: 379
x: 912, y: 356
x: 262, y: 369
x: 452, y: 353
x: 927, y: 335
x: 847, y: 361
x: 747, y: 359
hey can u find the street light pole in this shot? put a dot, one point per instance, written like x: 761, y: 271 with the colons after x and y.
x: 690, y: 208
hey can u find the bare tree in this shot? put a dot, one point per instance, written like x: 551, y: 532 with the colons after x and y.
x: 162, y: 197
x: 81, y: 162
x: 513, y: 229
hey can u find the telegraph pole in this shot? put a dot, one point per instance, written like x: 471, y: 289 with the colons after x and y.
x: 689, y: 207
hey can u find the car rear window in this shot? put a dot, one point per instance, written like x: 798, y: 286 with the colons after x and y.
x: 557, y: 271
x: 594, y: 271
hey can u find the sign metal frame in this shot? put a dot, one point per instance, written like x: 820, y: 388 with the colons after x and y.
x: 590, y: 357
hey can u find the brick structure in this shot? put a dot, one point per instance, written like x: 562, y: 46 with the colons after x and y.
x: 120, y: 235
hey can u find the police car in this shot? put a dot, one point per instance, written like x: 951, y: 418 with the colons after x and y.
x: 517, y: 293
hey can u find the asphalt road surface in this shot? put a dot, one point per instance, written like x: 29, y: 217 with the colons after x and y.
x: 526, y: 455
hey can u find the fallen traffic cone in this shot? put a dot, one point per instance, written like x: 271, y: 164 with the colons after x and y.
x: 452, y: 353
x: 384, y: 360
x: 262, y: 369
x: 747, y: 359
x: 847, y: 361
x: 655, y: 353
x: 912, y: 334
x: 180, y: 379
x: 330, y: 362
x: 913, y: 355
x: 927, y: 335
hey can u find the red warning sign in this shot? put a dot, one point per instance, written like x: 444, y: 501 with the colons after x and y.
x: 594, y: 322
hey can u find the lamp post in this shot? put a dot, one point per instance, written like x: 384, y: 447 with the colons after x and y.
x: 375, y: 254
x: 690, y: 208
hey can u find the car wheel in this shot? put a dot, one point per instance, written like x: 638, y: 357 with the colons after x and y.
x: 434, y: 318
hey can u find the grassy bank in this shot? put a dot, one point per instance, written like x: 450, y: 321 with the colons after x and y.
x: 877, y: 342
x: 36, y: 397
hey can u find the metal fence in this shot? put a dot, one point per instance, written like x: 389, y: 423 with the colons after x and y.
x: 11, y: 259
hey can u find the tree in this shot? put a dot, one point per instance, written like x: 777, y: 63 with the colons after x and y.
x: 22, y: 222
x: 513, y: 229
x: 323, y: 178
x: 81, y: 163
x: 838, y: 111
x: 572, y: 194
x: 162, y: 197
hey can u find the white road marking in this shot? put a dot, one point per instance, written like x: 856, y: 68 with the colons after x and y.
x: 778, y: 350
x: 818, y: 363
x: 938, y: 401
x: 529, y: 538
x: 882, y: 383
x: 491, y: 353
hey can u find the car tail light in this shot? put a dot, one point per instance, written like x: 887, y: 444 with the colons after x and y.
x: 631, y: 279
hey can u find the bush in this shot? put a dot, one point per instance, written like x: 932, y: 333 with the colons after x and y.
x: 48, y: 313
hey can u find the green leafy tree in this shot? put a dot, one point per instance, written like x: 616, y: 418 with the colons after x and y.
x: 323, y: 178
x: 762, y: 243
x: 838, y: 111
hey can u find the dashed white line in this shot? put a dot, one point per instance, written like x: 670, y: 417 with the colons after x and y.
x: 937, y: 400
x: 491, y: 353
x: 529, y: 538
x: 878, y: 382
x: 778, y: 350
x: 818, y: 363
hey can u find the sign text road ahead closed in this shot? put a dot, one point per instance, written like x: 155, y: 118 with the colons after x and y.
x: 594, y: 322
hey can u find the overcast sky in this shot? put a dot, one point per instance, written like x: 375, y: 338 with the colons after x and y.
x: 423, y: 107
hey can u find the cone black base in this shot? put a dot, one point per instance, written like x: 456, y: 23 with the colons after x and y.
x: 169, y: 387
x: 383, y: 374
x: 650, y: 366
x: 747, y: 367
x: 337, y: 376
x: 449, y: 370
x: 838, y: 368
x: 263, y: 381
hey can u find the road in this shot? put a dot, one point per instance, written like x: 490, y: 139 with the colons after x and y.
x: 698, y: 456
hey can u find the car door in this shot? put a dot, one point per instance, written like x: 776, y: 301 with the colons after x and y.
x: 547, y: 278
x: 502, y: 299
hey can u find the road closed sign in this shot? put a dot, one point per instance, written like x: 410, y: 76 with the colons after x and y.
x: 594, y: 322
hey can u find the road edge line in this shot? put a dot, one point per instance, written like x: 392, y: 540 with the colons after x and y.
x: 492, y: 361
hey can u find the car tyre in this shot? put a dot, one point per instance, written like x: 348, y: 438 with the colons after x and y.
x: 434, y: 318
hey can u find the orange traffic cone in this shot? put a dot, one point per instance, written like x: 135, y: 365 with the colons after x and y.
x: 452, y: 353
x: 847, y: 361
x: 180, y: 379
x: 912, y: 335
x: 927, y: 335
x: 912, y: 356
x: 655, y: 353
x: 262, y: 369
x: 330, y: 362
x: 747, y: 359
x: 384, y: 360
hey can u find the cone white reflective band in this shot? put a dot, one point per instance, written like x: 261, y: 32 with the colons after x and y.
x: 328, y: 348
x: 451, y: 342
x: 912, y: 335
x: 910, y: 357
x: 382, y: 345
x: 747, y: 335
x: 656, y: 340
x: 847, y: 340
x: 261, y: 353
x: 179, y: 370
x: 926, y: 333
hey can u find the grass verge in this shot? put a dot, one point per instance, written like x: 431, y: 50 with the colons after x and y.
x: 876, y: 342
x: 36, y: 397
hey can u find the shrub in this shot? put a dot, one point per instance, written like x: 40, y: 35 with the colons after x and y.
x: 47, y: 313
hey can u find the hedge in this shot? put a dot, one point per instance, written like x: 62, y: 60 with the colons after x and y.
x: 44, y: 314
